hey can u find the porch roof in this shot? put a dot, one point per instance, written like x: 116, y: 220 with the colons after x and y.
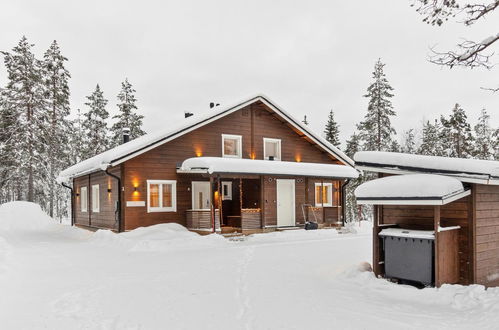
x: 411, y: 189
x: 219, y: 165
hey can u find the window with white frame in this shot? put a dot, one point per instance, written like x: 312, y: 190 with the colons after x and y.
x: 227, y: 190
x: 95, y: 198
x: 83, y: 199
x: 323, y: 194
x: 161, y: 196
x: 271, y: 149
x: 201, y: 195
x: 232, y: 146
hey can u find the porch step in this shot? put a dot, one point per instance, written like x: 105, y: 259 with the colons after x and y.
x: 288, y: 228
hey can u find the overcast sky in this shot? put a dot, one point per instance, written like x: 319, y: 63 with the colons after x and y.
x: 307, y: 56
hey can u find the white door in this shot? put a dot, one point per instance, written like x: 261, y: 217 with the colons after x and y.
x: 201, y: 196
x: 285, y: 202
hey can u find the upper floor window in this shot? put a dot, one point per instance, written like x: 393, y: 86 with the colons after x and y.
x: 161, y: 196
x: 83, y: 199
x: 271, y: 149
x: 232, y: 146
x: 323, y: 194
x: 95, y: 198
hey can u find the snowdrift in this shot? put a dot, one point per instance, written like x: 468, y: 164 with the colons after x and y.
x: 23, y: 216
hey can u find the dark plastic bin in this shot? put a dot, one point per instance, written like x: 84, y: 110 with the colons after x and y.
x: 409, y: 254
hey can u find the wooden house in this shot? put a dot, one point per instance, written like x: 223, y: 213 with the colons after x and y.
x: 247, y: 167
x: 457, y: 200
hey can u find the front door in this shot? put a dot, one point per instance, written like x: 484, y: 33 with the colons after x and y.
x: 285, y: 202
x: 201, y: 197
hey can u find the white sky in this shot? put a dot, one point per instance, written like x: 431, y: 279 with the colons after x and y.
x: 307, y: 56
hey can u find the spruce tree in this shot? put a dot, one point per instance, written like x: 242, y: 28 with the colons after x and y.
x: 496, y: 144
x: 332, y: 130
x: 351, y: 214
x: 409, y: 143
x: 57, y: 131
x: 127, y: 116
x: 96, y: 131
x: 24, y: 101
x: 77, y: 139
x: 484, y: 137
x: 376, y: 130
x: 456, y: 134
x: 431, y: 143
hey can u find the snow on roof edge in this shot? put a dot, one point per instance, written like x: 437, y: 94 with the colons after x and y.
x: 131, y: 149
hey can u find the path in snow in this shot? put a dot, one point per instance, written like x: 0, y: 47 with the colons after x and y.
x: 58, y: 277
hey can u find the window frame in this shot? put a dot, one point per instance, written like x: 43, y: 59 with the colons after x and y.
x: 265, y: 140
x: 227, y: 197
x: 160, y: 208
x: 82, y: 190
x: 95, y: 206
x: 239, y: 139
x: 329, y: 195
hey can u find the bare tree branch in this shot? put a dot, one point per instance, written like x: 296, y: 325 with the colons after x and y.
x: 493, y: 90
x: 475, y: 12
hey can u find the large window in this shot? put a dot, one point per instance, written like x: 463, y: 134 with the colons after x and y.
x: 95, y: 198
x: 231, y: 146
x: 272, y: 149
x: 83, y: 199
x: 323, y: 194
x: 161, y: 196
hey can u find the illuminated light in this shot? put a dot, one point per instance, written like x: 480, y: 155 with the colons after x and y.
x: 198, y: 151
x: 298, y: 158
x: 252, y: 155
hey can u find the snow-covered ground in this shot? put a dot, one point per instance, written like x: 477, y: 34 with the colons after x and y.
x: 163, y: 277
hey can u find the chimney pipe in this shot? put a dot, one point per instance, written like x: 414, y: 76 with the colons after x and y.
x: 213, y: 104
x: 188, y: 114
x: 126, y: 134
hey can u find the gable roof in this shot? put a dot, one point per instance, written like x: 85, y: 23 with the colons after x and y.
x: 465, y: 170
x: 147, y: 142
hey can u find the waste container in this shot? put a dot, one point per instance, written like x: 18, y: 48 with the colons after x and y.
x: 409, y: 254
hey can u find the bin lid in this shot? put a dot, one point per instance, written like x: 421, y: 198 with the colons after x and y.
x: 400, y: 232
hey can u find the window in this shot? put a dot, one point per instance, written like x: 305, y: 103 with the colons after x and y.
x: 271, y: 149
x: 231, y: 146
x: 201, y: 195
x: 161, y: 196
x: 95, y: 198
x: 323, y: 194
x: 83, y: 199
x: 226, y: 190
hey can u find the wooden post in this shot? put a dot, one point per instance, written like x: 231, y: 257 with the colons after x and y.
x: 212, y: 204
x: 322, y: 203
x: 436, y: 225
x: 376, y: 259
x: 219, y: 189
x: 241, y: 201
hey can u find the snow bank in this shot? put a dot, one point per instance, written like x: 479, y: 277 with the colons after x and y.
x: 158, y: 238
x: 23, y: 216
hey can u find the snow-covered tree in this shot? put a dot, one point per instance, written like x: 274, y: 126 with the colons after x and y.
x: 496, y: 144
x: 57, y: 130
x: 127, y: 116
x: 456, y: 134
x: 484, y: 137
x: 351, y: 213
x: 78, y: 139
x: 376, y: 130
x: 332, y: 131
x: 409, y: 142
x: 96, y: 131
x: 24, y: 102
x: 431, y: 143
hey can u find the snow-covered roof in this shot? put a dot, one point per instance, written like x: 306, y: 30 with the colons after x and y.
x: 212, y: 165
x: 413, y: 189
x: 147, y: 142
x: 466, y: 170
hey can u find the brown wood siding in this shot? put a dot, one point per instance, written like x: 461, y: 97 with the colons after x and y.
x: 487, y: 234
x: 250, y: 219
x: 421, y: 217
x: 161, y: 163
x: 105, y: 218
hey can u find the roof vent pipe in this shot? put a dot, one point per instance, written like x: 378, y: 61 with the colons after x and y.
x: 213, y: 104
x: 188, y: 114
x: 126, y: 134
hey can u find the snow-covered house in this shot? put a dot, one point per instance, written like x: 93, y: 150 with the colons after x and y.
x: 453, y: 202
x: 246, y: 167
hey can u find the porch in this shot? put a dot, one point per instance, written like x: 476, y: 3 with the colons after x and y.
x: 248, y: 196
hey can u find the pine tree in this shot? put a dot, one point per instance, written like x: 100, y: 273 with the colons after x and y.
x: 77, y: 139
x: 353, y: 145
x: 456, y: 134
x: 496, y: 144
x: 484, y: 137
x: 96, y: 131
x: 56, y: 133
x: 376, y: 130
x: 431, y: 143
x: 351, y: 214
x: 409, y: 143
x: 24, y: 99
x: 332, y: 130
x: 127, y: 118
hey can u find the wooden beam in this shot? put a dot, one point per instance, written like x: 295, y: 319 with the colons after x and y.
x: 436, y: 225
x: 376, y: 252
x: 472, y: 235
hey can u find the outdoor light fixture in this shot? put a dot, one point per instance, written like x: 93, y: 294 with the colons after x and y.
x: 108, y: 190
x: 134, y: 188
x: 77, y: 194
